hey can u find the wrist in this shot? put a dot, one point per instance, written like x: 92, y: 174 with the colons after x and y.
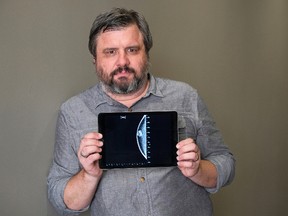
x: 91, y: 176
x: 206, y: 175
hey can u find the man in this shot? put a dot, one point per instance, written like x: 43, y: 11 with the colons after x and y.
x: 120, y: 41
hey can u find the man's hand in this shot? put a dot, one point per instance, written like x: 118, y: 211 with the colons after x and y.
x: 89, y: 153
x: 81, y: 188
x: 202, y: 172
x: 189, y: 157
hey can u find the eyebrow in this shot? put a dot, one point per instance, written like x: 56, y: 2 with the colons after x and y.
x: 128, y: 47
x: 110, y: 48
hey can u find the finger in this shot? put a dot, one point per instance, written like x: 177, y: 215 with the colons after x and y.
x: 93, y: 135
x: 86, y: 151
x: 192, y: 147
x: 90, y: 142
x: 191, y: 156
x: 185, y: 142
x: 185, y: 164
x: 187, y: 148
x: 82, y: 154
x: 93, y: 157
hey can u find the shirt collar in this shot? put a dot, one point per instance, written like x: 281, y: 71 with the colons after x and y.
x: 154, y: 87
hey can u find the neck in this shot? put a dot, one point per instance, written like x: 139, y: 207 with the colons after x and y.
x: 129, y: 99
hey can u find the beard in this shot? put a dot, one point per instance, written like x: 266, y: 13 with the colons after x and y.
x: 123, y: 85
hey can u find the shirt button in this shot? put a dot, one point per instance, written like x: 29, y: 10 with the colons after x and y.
x: 129, y: 109
x: 142, y: 179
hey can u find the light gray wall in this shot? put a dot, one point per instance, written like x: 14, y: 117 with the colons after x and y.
x: 234, y: 52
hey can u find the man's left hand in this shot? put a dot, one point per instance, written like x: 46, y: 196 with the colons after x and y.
x: 189, y: 157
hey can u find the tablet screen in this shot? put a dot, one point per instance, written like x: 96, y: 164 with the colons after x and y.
x: 138, y: 139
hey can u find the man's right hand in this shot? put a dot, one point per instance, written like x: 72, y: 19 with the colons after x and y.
x: 89, y: 153
x: 81, y: 188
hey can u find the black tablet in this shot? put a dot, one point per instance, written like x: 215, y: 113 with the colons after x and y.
x: 138, y: 139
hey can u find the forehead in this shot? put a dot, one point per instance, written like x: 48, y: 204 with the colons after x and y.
x: 120, y: 36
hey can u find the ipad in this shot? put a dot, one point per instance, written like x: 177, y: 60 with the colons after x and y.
x: 138, y: 139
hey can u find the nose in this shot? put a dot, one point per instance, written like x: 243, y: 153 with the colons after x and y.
x: 123, y: 59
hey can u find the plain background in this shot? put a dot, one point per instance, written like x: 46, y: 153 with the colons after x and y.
x: 234, y: 52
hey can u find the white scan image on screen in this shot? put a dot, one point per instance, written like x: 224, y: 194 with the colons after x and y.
x: 143, y: 136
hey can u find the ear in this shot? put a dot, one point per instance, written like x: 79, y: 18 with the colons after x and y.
x: 94, y: 60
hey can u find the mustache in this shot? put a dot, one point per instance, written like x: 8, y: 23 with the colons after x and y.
x: 120, y: 69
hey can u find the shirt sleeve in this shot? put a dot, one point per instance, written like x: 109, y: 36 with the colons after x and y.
x: 213, y: 148
x: 65, y: 165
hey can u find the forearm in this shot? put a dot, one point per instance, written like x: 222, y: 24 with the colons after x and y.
x: 80, y: 190
x: 206, y: 175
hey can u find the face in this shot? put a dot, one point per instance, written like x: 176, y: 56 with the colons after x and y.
x: 121, y: 62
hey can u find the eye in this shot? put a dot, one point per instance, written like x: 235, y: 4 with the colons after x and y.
x: 133, y: 50
x: 110, y: 52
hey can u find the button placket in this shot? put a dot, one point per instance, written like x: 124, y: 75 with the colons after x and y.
x: 143, y: 191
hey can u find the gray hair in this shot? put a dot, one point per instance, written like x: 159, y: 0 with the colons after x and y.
x: 115, y: 19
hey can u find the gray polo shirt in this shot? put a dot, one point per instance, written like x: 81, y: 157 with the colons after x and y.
x: 140, y: 191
